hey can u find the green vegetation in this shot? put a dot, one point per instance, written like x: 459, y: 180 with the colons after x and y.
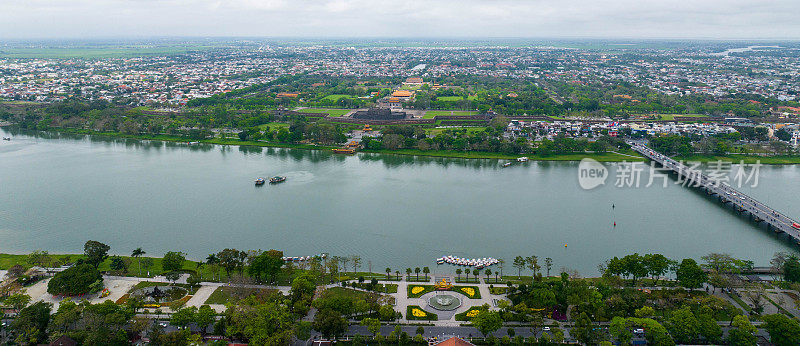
x: 77, y: 280
x: 226, y: 295
x: 416, y: 313
x: 469, y: 314
x: 416, y: 291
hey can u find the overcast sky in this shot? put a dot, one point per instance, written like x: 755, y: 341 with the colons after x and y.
x: 722, y: 19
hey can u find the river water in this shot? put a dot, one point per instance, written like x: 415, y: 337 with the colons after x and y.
x: 57, y: 191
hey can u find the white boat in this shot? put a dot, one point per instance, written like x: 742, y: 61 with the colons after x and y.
x: 522, y: 159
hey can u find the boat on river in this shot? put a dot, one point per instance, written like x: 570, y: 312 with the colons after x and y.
x: 6, y: 138
x: 277, y: 179
x: 260, y: 181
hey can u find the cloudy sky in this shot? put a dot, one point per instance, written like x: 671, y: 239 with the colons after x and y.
x: 745, y: 19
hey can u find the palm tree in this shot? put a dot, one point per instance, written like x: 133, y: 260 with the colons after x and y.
x: 388, y: 273
x: 416, y: 271
x: 519, y: 263
x: 458, y: 272
x: 397, y: 273
x: 426, y: 270
x: 548, y: 262
x: 488, y: 272
x: 408, y: 272
x: 136, y: 254
x: 475, y: 273
x: 212, y: 260
x: 500, y: 263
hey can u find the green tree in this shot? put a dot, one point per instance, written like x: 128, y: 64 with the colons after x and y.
x: 620, y: 330
x: 519, y: 263
x: 260, y: 323
x: 373, y: 325
x: 173, y: 261
x: 183, y: 317
x: 204, y: 317
x: 79, y: 279
x: 416, y: 271
x: 31, y: 323
x: 690, y: 275
x: 329, y: 323
x: 231, y: 259
x: 743, y: 332
x: 426, y: 271
x: 791, y: 269
x: 783, y: 331
x: 137, y: 254
x: 18, y: 301
x: 684, y: 326
x: 117, y: 263
x: 487, y: 321
x: 96, y: 252
x: 266, y: 264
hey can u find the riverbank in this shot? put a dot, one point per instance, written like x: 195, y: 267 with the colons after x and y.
x: 628, y: 155
x: 747, y: 159
x: 604, y: 157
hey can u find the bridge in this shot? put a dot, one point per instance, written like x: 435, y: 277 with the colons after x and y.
x: 760, y: 212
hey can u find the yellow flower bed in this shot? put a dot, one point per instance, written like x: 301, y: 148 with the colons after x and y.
x: 469, y: 291
x: 416, y: 290
x: 473, y: 313
x: 418, y: 313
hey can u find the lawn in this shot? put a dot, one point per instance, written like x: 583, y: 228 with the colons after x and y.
x: 431, y: 114
x: 379, y: 288
x: 414, y: 312
x: 336, y: 97
x: 273, y: 126
x: 332, y: 112
x: 224, y: 295
x: 8, y: 260
x: 470, y: 130
x: 449, y: 98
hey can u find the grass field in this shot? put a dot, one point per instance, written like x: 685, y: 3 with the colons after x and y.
x: 470, y: 129
x: 332, y: 112
x: 336, y: 97
x: 8, y: 260
x: 449, y: 98
x: 431, y: 114
x: 224, y: 295
x: 273, y: 126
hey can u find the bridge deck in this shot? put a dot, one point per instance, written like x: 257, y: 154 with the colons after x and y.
x: 778, y: 221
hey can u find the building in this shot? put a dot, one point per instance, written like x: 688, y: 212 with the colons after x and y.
x: 379, y: 114
x: 454, y: 341
x: 402, y: 94
x: 795, y: 139
x: 414, y: 81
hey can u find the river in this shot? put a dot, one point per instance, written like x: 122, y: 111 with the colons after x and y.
x: 57, y: 191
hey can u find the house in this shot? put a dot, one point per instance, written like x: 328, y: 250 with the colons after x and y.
x: 402, y: 94
x: 414, y: 80
x: 293, y: 95
x: 454, y: 341
x: 393, y: 102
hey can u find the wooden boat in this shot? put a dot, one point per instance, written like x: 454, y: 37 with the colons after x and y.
x: 277, y: 179
x: 260, y: 181
x: 6, y: 138
x: 343, y: 151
